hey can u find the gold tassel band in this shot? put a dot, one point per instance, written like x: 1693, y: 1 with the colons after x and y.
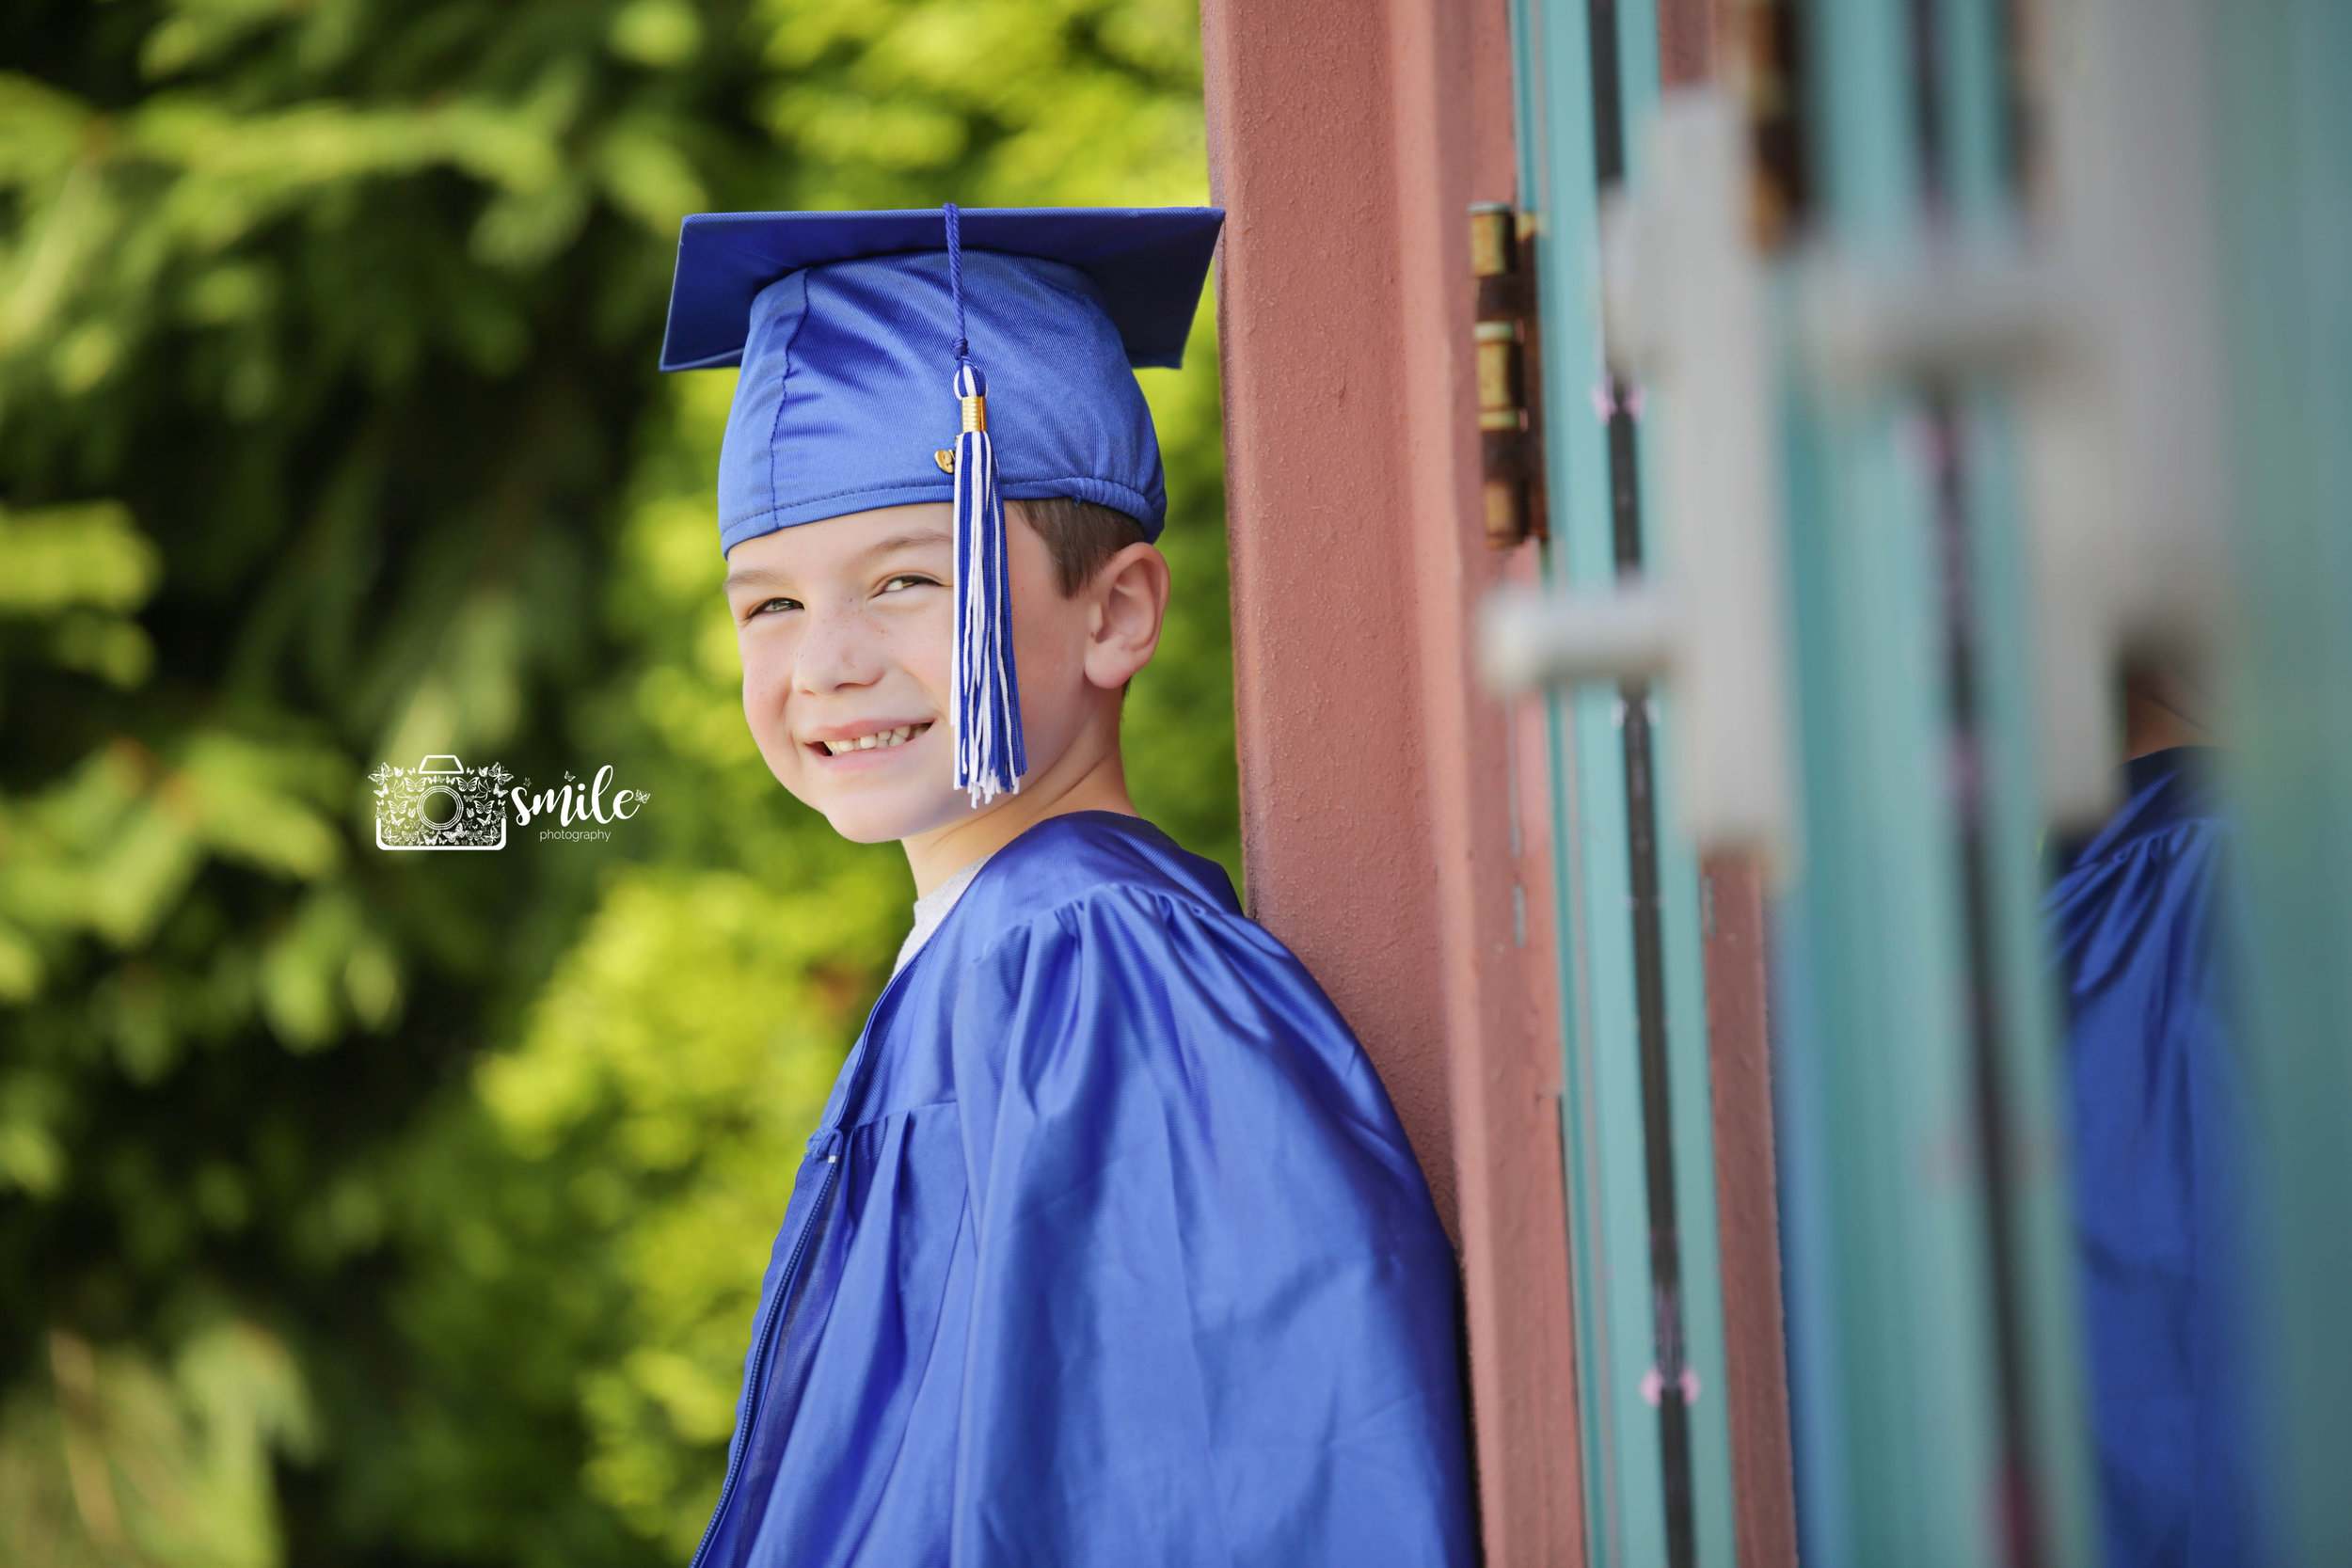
x: 974, y: 413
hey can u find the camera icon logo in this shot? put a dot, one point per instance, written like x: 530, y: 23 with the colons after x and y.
x: 440, y: 804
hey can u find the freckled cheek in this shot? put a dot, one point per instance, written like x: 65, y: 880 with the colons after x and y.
x: 767, y: 685
x: 920, y: 645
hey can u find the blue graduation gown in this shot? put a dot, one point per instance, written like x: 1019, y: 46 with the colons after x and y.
x: 1109, y: 1251
x: 2143, y: 919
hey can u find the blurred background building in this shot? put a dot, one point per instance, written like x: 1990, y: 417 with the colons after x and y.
x: 1842, y: 430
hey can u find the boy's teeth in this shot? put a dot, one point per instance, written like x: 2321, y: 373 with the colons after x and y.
x: 899, y: 736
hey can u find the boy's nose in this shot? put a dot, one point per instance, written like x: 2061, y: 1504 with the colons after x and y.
x: 837, y: 651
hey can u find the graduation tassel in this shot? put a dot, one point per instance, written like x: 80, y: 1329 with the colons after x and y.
x: 984, y: 700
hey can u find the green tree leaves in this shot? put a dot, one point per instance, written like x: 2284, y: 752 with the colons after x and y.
x: 411, y: 1207
x: 113, y: 1461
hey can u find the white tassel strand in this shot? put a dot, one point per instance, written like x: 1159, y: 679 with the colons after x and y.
x: 984, y: 704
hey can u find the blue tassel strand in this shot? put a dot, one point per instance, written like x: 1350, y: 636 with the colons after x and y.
x: 984, y: 702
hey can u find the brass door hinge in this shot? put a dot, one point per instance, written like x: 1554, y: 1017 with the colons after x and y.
x: 1509, y: 360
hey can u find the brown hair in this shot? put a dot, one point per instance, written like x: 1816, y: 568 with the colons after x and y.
x: 1080, y: 535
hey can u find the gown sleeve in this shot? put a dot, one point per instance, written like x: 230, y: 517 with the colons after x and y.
x: 1214, y: 1311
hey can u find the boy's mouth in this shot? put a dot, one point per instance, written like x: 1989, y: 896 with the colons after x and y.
x: 873, y: 740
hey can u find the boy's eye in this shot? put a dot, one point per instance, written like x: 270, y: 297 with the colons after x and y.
x: 909, y: 579
x: 766, y: 605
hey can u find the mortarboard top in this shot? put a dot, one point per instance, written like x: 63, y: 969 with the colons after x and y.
x: 1148, y: 263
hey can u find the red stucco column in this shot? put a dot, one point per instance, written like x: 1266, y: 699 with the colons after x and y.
x: 1393, y: 815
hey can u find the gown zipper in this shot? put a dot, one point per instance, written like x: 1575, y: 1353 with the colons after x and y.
x: 837, y: 1142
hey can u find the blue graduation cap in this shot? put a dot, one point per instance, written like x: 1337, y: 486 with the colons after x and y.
x: 862, y: 338
x: 1147, y: 262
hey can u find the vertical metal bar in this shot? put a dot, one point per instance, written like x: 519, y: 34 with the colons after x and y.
x: 1670, y: 1381
x: 1552, y: 57
x: 2045, y: 1410
x: 1898, y: 1427
x: 1895, y: 1370
x: 1681, y: 919
x: 2280, y: 78
x: 2051, y: 1412
x: 1989, y: 1015
x: 1636, y: 1122
x: 1953, y: 190
x: 1689, y: 1109
x: 1938, y: 1386
x: 1667, y: 1382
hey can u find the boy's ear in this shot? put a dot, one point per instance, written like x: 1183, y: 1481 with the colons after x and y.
x: 1128, y: 602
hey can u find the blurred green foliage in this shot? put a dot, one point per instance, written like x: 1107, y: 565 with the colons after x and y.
x: 408, y: 1208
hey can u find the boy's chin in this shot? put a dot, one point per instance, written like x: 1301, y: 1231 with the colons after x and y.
x: 886, y: 821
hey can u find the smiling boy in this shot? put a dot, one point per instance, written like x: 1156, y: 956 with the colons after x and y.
x: 846, y: 628
x: 1108, y: 1249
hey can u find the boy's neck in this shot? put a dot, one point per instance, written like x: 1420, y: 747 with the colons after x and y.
x: 1083, y: 779
x: 2161, y: 712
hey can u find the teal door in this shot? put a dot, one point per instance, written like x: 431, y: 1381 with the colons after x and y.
x: 1932, y: 1346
